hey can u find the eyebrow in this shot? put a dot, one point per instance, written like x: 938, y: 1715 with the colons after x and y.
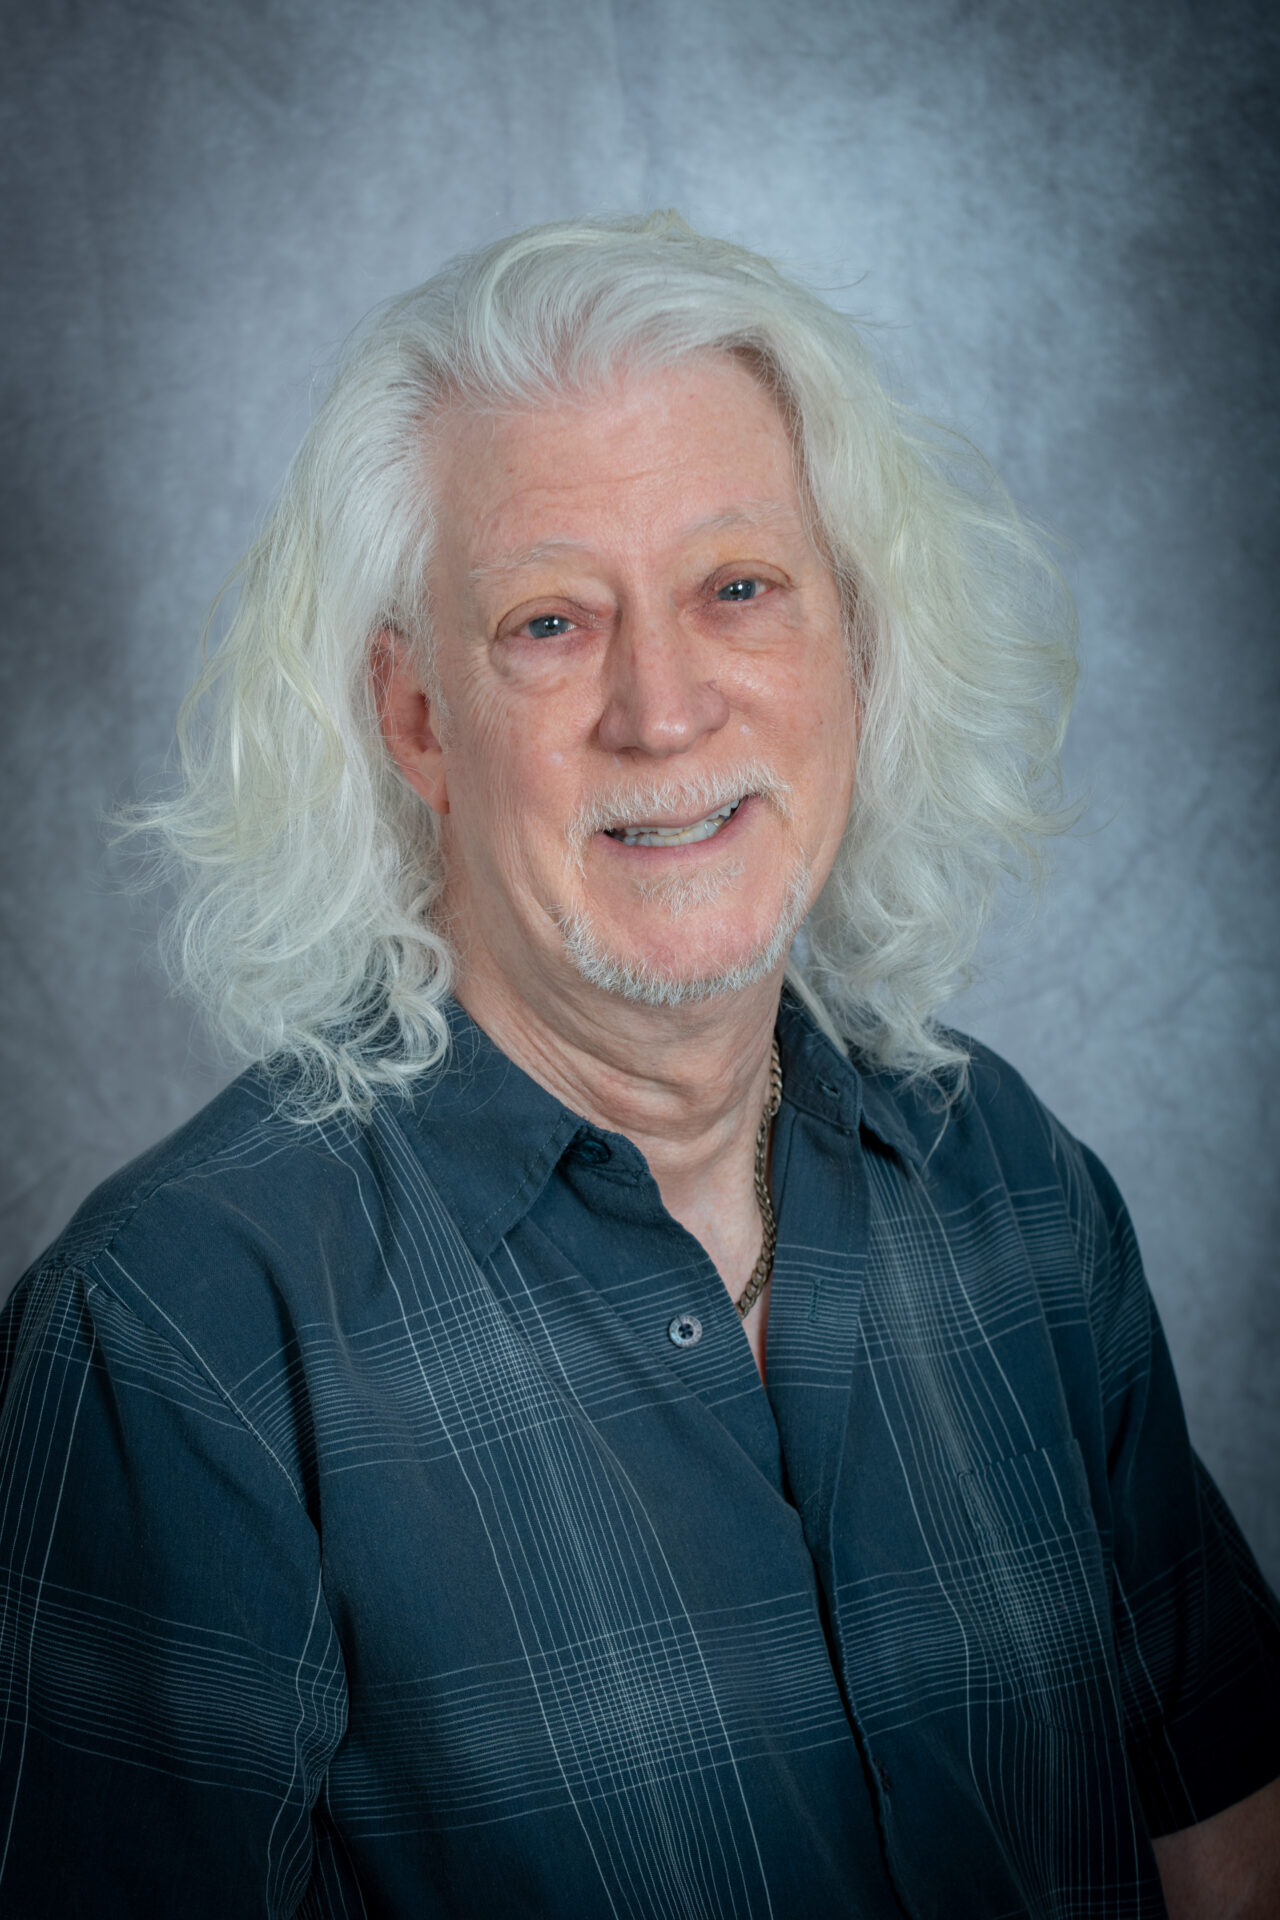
x: 751, y: 513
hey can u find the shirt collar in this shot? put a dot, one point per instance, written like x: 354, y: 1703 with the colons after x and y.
x: 490, y: 1136
x: 882, y: 1115
x: 819, y: 1077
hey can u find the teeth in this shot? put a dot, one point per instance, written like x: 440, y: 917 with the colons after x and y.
x: 675, y: 836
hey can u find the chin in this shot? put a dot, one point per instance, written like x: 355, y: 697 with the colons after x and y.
x: 674, y: 977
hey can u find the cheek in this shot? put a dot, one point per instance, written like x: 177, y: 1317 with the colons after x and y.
x: 836, y: 732
x: 830, y: 754
x: 526, y: 733
x: 511, y: 786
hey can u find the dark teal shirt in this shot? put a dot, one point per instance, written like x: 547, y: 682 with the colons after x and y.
x: 395, y: 1524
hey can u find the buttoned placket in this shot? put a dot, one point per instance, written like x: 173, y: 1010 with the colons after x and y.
x: 687, y: 1323
x: 802, y: 1416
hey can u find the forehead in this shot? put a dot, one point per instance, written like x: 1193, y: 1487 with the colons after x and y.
x: 648, y: 458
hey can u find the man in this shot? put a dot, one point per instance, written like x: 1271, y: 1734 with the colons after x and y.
x: 618, y: 1413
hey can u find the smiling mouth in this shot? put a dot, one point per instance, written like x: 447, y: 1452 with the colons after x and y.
x: 647, y: 836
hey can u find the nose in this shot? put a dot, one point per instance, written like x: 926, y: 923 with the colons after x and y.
x: 658, y: 696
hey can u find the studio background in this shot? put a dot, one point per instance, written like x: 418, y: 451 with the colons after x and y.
x: 1062, y: 216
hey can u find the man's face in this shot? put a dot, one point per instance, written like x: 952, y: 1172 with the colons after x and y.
x: 643, y: 740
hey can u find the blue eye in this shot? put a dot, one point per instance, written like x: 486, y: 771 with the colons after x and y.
x: 739, y: 590
x: 548, y: 626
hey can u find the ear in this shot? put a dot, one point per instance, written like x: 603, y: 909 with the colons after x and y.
x: 404, y: 714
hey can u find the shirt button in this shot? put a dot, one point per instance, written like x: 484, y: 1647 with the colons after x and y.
x: 685, y: 1330
x: 594, y: 1152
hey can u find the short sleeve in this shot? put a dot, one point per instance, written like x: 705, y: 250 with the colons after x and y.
x: 1197, y: 1629
x: 171, y: 1686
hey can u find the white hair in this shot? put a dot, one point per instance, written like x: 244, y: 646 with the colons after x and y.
x: 310, y: 869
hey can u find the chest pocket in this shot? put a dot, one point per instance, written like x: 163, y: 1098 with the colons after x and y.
x: 1032, y: 1590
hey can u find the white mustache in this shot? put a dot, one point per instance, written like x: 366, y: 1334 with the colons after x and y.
x: 654, y: 800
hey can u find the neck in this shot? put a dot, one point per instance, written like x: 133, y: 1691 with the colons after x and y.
x: 664, y: 1074
x: 687, y: 1085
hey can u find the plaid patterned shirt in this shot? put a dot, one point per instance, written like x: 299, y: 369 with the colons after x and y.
x: 394, y: 1523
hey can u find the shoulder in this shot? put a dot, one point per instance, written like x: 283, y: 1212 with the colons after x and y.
x: 210, y: 1164
x: 993, y: 1103
x: 1033, y: 1220
x: 995, y: 1132
x: 219, y: 1236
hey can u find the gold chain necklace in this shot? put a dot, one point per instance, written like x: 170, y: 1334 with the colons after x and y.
x: 763, y: 1268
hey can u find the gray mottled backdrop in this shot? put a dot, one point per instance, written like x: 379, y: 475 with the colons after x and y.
x: 1061, y: 214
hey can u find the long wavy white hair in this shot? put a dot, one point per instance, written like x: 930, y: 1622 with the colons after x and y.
x: 309, y: 869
